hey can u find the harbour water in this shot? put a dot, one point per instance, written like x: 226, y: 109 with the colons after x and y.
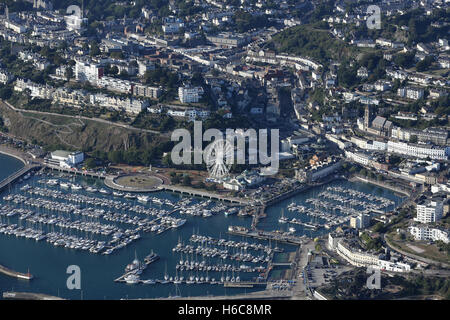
x: 48, y: 263
x: 8, y: 165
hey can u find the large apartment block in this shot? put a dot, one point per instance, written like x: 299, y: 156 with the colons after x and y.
x: 426, y: 233
x: 419, y: 150
x: 86, y: 71
x: 190, y: 94
x: 429, y: 210
x: 410, y: 93
x: 146, y: 91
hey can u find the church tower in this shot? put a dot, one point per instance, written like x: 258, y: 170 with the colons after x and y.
x: 367, y: 117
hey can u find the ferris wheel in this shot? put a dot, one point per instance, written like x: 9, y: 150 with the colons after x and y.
x: 219, y: 156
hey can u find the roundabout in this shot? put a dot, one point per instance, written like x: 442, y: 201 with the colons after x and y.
x: 137, y: 182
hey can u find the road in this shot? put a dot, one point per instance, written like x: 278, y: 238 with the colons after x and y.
x: 300, y: 291
x: 416, y: 257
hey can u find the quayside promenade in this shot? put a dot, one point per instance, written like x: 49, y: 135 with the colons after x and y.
x: 204, y: 194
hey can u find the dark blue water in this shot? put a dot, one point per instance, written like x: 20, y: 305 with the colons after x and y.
x: 8, y: 165
x: 49, y: 264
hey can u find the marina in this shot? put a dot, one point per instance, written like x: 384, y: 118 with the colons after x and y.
x: 202, y: 244
x: 322, y: 209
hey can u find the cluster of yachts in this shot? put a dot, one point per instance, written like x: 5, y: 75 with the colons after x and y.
x: 184, y: 206
x: 373, y: 206
x: 134, y: 270
x: 55, y: 238
x: 331, y: 220
x: 80, y: 199
x: 359, y: 194
x: 309, y: 225
x: 19, y: 199
x: 333, y: 207
x: 61, y: 238
x: 61, y: 222
x: 200, y: 209
x: 336, y: 213
x: 196, y: 238
x: 166, y: 223
x: 65, y: 223
x: 73, y: 242
x: 134, y: 279
x: 206, y: 251
x: 158, y: 225
x: 77, y: 187
x: 194, y: 265
x: 71, y: 219
x: 14, y: 229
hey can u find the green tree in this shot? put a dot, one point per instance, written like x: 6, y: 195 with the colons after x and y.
x: 187, y: 180
x: 69, y: 73
x: 424, y: 64
x: 413, y: 139
x: 94, y: 49
x: 90, y: 163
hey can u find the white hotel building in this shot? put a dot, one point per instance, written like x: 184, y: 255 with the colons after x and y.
x: 358, y: 157
x: 16, y: 27
x: 5, y: 77
x: 86, y: 71
x: 363, y: 259
x: 419, y: 150
x: 191, y: 114
x: 190, y: 94
x: 355, y: 257
x: 65, y: 159
x: 117, y: 103
x: 429, y: 211
x: 423, y: 232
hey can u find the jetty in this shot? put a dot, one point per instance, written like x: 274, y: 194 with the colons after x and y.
x: 15, y: 274
x: 84, y: 173
x: 17, y: 175
x: 266, y: 235
x: 243, y: 284
x: 204, y: 194
x: 226, y: 284
x: 28, y: 296
x: 147, y: 261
